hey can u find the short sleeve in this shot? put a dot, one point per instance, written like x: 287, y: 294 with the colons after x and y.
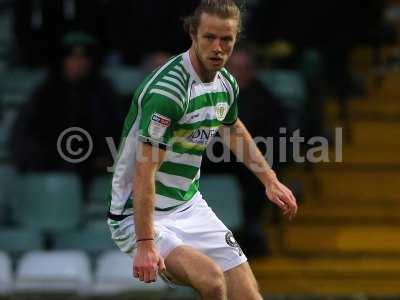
x: 159, y: 115
x: 232, y: 115
x: 233, y: 112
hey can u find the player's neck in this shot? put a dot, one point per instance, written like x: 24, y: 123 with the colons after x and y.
x: 204, y: 75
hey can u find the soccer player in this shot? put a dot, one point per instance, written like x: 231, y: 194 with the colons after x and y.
x: 157, y: 214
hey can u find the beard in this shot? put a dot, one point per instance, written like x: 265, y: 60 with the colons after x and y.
x: 205, y: 66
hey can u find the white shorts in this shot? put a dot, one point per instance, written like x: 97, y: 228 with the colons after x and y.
x: 193, y: 224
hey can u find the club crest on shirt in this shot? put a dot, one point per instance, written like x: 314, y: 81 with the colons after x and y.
x: 221, y: 109
x: 158, y: 125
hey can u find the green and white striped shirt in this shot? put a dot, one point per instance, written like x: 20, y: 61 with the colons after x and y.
x: 173, y: 109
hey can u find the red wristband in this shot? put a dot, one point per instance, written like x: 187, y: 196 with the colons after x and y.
x: 142, y: 240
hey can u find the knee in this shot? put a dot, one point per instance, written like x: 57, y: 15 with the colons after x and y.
x: 252, y: 293
x: 255, y: 291
x: 216, y: 288
x: 256, y: 287
x: 212, y: 284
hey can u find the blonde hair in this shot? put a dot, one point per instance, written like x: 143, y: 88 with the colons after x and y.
x: 225, y: 9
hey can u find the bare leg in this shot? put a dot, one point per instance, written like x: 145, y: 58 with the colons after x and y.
x: 188, y: 266
x: 241, y: 283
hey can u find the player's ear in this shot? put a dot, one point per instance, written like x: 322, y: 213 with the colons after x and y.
x: 192, y: 32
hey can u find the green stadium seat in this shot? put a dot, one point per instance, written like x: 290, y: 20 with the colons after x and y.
x: 48, y: 201
x: 3, y: 208
x: 6, y: 123
x: 223, y: 195
x: 23, y: 79
x: 311, y: 63
x: 53, y: 272
x: 16, y: 85
x: 125, y: 79
x: 94, y: 238
x: 17, y: 240
x: 290, y: 87
x: 4, y: 154
x: 113, y: 276
x: 98, y: 196
x: 3, y: 59
x: 14, y: 99
x: 6, y: 34
x: 6, y: 276
x: 8, y: 178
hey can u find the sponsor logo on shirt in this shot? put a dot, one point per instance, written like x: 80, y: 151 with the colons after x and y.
x: 158, y: 125
x: 159, y: 119
x: 201, y: 136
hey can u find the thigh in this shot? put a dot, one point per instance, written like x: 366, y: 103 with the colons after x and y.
x: 187, y: 266
x: 241, y: 283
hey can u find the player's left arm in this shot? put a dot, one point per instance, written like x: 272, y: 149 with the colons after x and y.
x: 240, y: 142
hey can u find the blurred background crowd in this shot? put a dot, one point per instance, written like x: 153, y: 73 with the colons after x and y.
x: 308, y: 65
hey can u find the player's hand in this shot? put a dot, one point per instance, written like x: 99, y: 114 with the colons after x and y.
x: 282, y: 197
x: 146, y: 262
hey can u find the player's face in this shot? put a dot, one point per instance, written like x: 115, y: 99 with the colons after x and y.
x: 214, y: 41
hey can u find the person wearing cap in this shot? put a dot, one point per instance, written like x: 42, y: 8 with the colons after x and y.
x: 74, y: 94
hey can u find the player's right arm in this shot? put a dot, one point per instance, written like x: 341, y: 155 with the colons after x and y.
x: 147, y: 259
x: 160, y: 110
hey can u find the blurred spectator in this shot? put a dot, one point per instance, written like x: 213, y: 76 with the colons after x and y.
x: 259, y: 109
x: 153, y: 61
x: 312, y: 70
x: 73, y: 95
x: 263, y: 115
x: 147, y: 65
x: 283, y: 77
